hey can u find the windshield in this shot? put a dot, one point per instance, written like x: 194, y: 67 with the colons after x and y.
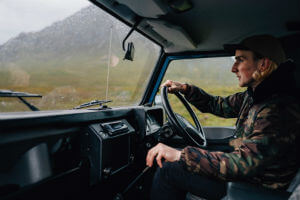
x: 69, y: 54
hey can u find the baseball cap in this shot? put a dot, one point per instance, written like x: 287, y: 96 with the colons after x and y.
x: 265, y: 45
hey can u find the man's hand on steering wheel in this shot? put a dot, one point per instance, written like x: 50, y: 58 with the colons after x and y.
x: 193, y: 134
x: 174, y: 86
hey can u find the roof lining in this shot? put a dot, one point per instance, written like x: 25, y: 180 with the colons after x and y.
x: 210, y: 23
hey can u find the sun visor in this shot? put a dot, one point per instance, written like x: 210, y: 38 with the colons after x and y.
x: 145, y: 8
x: 173, y: 34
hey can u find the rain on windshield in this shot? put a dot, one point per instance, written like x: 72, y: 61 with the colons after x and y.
x: 69, y: 61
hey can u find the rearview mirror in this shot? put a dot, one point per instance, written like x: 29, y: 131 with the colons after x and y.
x: 129, y: 52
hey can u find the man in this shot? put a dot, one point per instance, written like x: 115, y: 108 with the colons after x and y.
x: 267, y: 129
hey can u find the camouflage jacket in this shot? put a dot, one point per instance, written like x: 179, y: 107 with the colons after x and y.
x: 266, y: 135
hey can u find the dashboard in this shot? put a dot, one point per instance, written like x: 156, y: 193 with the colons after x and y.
x: 68, y: 145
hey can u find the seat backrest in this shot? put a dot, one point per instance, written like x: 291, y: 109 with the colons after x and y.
x: 295, y: 182
x: 247, y: 191
x: 241, y: 190
x: 296, y: 194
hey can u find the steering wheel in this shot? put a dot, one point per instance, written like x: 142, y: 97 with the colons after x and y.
x: 182, y: 126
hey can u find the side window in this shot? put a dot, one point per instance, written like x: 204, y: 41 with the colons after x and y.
x: 211, y: 74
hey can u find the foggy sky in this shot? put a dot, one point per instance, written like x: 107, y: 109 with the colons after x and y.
x: 18, y: 16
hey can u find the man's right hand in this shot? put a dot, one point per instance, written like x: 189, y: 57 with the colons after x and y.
x: 162, y: 151
x: 174, y: 86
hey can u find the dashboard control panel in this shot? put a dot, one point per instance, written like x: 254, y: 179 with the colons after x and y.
x: 108, y: 148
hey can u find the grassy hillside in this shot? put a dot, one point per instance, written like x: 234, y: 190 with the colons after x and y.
x: 67, y: 84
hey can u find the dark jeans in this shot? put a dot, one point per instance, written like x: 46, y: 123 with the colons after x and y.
x: 172, y: 181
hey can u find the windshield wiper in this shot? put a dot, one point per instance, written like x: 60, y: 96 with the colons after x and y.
x: 93, y: 103
x: 20, y: 95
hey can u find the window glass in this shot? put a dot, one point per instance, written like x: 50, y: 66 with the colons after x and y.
x: 70, y: 53
x: 211, y: 74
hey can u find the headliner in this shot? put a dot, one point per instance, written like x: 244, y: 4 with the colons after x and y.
x: 210, y: 23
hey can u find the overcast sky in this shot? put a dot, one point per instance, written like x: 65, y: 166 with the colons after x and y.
x: 18, y: 16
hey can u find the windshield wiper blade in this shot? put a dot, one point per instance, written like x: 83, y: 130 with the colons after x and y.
x: 10, y: 93
x: 20, y: 95
x: 93, y: 103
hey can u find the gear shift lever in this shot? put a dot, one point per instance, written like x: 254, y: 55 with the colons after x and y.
x: 119, y: 196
